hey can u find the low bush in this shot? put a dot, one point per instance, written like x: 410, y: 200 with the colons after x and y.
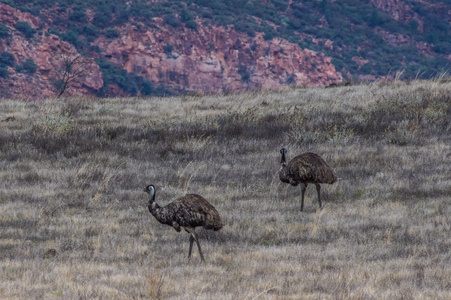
x: 25, y: 28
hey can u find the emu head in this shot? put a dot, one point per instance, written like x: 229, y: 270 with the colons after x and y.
x: 150, y: 189
x: 283, y: 151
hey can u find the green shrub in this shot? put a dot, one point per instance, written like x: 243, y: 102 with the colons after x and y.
x: 246, y: 27
x: 102, y: 16
x: 4, y: 31
x: 7, y: 59
x: 186, y: 15
x: 112, y: 33
x: 123, y: 16
x: 78, y: 15
x: 191, y: 24
x: 28, y: 67
x: 366, y: 68
x: 269, y: 35
x: 70, y: 36
x: 144, y: 86
x: 54, y: 31
x: 128, y: 82
x: 88, y: 30
x: 413, y: 25
x: 207, y: 15
x: 168, y: 49
x: 245, y: 75
x: 338, y: 64
x: 442, y: 47
x: 280, y: 4
x: 4, y: 72
x: 171, y: 20
x: 26, y: 29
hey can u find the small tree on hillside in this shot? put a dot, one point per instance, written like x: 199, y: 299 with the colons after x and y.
x: 72, y: 68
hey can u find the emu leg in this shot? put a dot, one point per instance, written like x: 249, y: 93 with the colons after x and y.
x: 303, y: 188
x: 194, y: 236
x: 191, y: 240
x: 318, y: 189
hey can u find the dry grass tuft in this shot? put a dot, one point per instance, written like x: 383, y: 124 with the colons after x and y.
x: 157, y: 285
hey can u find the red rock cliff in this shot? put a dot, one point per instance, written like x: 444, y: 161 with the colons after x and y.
x: 209, y: 59
x: 215, y: 59
x: 48, y: 52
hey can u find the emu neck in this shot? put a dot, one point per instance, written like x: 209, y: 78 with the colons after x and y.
x: 283, y: 173
x: 153, y: 206
x: 161, y: 214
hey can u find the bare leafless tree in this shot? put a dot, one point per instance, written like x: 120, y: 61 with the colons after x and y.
x: 73, y: 67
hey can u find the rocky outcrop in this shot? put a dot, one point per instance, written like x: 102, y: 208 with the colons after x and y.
x: 402, y: 11
x: 48, y: 53
x: 9, y: 16
x: 398, y: 10
x: 399, y: 39
x: 214, y: 59
x: 209, y: 59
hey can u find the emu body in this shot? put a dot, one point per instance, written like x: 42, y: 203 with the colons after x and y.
x: 304, y: 169
x: 187, y: 212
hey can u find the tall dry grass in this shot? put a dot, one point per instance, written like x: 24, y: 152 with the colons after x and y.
x: 72, y: 173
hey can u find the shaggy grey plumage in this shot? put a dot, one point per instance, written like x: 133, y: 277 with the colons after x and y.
x: 189, y: 212
x: 304, y: 169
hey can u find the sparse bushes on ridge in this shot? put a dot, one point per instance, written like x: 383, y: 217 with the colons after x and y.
x: 356, y: 28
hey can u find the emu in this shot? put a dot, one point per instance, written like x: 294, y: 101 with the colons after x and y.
x: 189, y: 212
x: 304, y: 169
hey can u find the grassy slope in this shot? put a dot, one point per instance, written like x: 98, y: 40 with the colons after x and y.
x: 72, y: 174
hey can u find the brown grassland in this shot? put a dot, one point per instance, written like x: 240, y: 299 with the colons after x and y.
x: 72, y: 173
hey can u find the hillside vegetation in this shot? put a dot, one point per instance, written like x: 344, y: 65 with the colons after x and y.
x: 72, y: 174
x: 362, y: 40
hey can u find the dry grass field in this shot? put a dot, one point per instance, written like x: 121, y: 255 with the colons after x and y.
x: 72, y: 174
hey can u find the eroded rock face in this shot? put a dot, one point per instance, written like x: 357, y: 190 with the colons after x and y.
x: 209, y: 59
x: 9, y: 16
x: 48, y: 53
x: 402, y: 11
x: 215, y: 59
